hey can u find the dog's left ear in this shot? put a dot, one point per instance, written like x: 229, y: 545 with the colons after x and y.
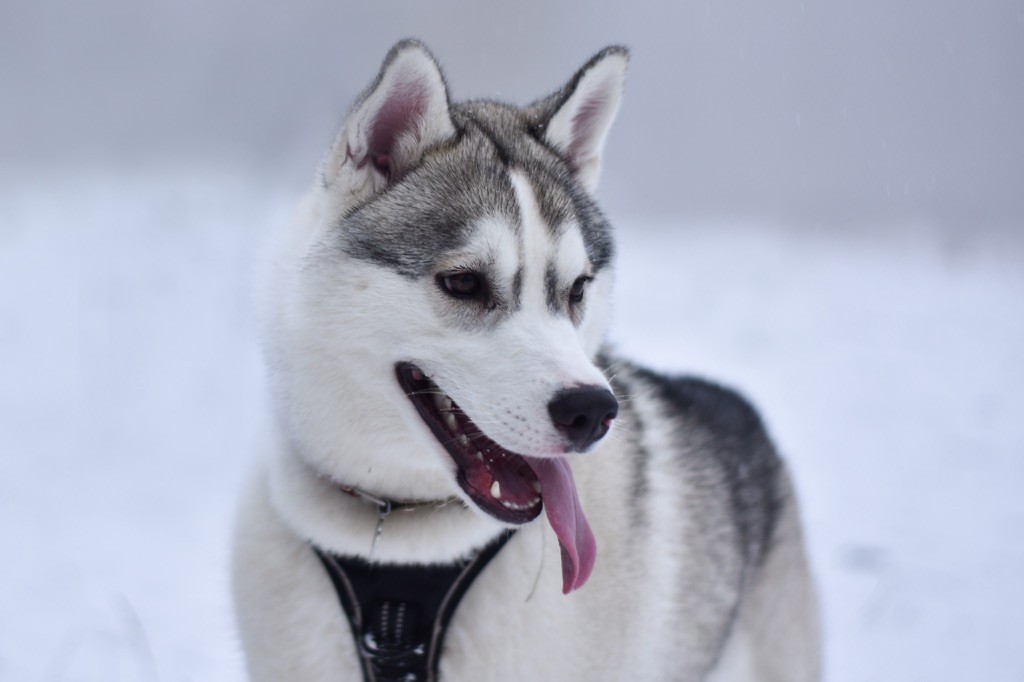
x: 396, y: 119
x: 576, y: 119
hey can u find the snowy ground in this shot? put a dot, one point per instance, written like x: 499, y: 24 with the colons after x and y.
x: 886, y: 360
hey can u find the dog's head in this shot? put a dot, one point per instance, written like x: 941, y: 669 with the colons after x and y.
x: 435, y: 321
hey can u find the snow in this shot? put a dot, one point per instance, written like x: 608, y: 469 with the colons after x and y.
x: 886, y: 360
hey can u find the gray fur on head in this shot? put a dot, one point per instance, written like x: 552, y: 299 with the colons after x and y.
x: 409, y: 167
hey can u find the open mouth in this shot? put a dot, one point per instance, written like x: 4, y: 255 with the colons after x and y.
x: 510, y: 487
x: 499, y: 482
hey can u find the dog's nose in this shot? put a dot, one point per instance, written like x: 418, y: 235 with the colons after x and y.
x: 583, y: 414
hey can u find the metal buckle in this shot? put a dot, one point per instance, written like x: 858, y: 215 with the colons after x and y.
x: 383, y: 511
x: 392, y: 662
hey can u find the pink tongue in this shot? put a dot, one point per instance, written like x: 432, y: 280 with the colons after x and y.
x: 567, y: 520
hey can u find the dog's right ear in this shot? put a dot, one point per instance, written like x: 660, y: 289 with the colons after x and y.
x: 402, y: 113
x: 575, y: 120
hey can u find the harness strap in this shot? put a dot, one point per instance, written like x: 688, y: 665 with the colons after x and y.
x: 399, y: 613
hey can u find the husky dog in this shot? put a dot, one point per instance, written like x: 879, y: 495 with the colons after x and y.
x: 434, y: 323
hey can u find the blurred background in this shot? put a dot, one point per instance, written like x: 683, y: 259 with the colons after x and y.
x: 818, y: 203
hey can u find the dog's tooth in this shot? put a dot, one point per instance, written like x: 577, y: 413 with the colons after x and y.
x: 443, y: 402
x: 536, y: 487
x: 496, y: 489
x: 450, y: 420
x: 463, y: 441
x: 480, y: 456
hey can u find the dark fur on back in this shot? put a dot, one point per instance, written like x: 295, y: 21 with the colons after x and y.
x: 719, y: 429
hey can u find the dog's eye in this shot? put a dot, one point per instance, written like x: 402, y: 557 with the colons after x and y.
x: 578, y: 287
x: 462, y: 284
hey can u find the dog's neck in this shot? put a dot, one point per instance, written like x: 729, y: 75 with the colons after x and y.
x: 386, y: 506
x: 348, y: 522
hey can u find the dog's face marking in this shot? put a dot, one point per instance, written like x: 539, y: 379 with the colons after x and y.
x: 539, y: 244
x: 502, y: 355
x: 432, y: 212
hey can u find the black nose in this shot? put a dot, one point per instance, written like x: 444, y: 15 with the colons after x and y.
x: 583, y: 414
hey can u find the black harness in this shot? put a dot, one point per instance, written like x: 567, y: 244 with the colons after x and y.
x: 399, y: 613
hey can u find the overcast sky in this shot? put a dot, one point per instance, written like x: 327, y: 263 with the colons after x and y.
x: 868, y: 111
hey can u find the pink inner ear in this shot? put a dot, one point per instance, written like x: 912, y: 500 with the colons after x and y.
x: 585, y: 125
x: 402, y: 111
